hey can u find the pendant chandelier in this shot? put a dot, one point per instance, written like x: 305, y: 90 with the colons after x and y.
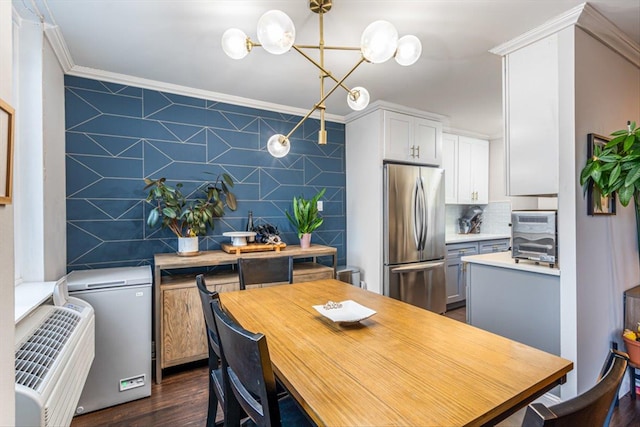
x: 276, y: 34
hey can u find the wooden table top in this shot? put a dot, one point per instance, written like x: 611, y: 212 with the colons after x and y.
x: 402, y: 366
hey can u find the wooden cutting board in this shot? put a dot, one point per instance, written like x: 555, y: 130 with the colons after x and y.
x: 252, y: 247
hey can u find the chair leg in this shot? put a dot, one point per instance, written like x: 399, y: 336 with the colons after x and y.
x: 212, y: 410
x: 632, y: 383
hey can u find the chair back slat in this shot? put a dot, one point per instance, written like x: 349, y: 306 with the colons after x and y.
x: 253, y: 271
x: 205, y: 298
x: 245, y: 356
x: 591, y: 407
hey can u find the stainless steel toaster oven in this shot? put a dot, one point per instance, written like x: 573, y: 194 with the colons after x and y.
x: 534, y: 236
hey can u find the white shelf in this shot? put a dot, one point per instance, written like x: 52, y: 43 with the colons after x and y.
x: 30, y: 295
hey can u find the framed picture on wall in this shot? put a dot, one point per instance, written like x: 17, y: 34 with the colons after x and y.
x: 598, y: 204
x: 7, y: 123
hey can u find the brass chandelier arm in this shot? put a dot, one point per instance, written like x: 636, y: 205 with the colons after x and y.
x: 326, y: 72
x: 311, y: 46
x: 324, y: 98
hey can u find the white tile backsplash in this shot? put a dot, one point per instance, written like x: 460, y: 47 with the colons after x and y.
x: 496, y: 217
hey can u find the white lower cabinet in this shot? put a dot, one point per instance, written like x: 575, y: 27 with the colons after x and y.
x: 466, y: 164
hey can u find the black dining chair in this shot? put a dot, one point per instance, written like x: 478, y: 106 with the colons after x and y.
x: 245, y: 357
x: 253, y: 271
x: 591, y: 408
x: 218, y: 382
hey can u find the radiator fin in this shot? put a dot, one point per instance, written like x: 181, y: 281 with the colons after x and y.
x: 35, y: 356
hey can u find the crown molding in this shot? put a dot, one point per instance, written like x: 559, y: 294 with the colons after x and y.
x: 552, y: 26
x: 604, y: 30
x: 384, y: 105
x: 467, y: 133
x: 588, y: 19
x: 59, y: 46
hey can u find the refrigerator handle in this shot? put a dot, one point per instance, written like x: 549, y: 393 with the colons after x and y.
x: 418, y: 266
x: 417, y: 207
x: 420, y: 214
x: 425, y: 216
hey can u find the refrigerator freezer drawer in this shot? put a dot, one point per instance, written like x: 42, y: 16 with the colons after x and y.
x: 420, y: 284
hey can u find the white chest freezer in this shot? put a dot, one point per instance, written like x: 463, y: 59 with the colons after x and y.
x: 121, y: 298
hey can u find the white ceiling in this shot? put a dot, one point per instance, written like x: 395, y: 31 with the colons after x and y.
x: 178, y: 42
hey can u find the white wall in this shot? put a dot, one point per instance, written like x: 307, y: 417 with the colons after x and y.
x: 40, y: 176
x: 607, y: 95
x: 53, y: 153
x: 29, y: 195
x: 7, y: 403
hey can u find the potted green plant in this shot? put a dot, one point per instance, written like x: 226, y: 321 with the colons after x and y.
x: 615, y: 168
x: 188, y: 219
x: 305, y: 218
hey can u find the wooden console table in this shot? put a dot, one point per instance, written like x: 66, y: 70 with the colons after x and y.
x: 178, y: 327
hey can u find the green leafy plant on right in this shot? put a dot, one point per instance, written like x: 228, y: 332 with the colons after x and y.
x: 305, y: 218
x: 615, y: 168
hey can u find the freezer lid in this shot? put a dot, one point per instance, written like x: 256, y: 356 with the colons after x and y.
x: 108, y: 278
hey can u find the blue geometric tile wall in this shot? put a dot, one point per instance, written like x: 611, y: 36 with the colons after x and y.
x: 117, y: 135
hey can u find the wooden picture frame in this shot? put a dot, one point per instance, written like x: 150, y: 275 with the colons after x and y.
x: 7, y: 127
x: 607, y: 203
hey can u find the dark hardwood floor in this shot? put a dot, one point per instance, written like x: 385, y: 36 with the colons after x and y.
x: 181, y: 400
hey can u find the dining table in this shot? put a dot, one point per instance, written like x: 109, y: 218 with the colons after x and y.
x: 402, y: 366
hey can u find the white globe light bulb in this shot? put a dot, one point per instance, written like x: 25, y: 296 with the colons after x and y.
x: 276, y: 32
x: 379, y: 41
x: 234, y: 43
x: 409, y: 50
x: 278, y: 145
x: 358, y: 98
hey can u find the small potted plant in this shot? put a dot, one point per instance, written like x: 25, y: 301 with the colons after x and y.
x: 188, y: 219
x: 305, y: 217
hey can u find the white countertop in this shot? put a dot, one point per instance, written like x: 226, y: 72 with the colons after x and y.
x: 463, y: 238
x: 30, y: 295
x: 504, y: 260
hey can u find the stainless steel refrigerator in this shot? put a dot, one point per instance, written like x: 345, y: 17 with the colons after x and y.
x: 414, y: 235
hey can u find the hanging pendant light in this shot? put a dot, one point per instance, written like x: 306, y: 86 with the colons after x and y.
x: 276, y: 34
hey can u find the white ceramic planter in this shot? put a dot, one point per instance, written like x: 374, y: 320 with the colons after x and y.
x: 305, y: 241
x: 187, y: 245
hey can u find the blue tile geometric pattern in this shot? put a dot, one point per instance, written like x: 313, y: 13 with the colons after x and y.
x: 117, y: 135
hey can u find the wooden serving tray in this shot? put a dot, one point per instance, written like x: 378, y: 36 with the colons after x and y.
x: 252, y: 247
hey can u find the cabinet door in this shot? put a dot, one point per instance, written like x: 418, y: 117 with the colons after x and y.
x: 456, y: 279
x: 531, y: 118
x: 450, y: 166
x: 398, y: 136
x: 184, y: 337
x: 480, y: 170
x: 466, y: 188
x: 427, y: 147
x: 473, y: 170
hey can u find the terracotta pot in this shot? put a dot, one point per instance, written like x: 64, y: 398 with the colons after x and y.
x: 187, y: 245
x: 633, y: 350
x: 305, y: 241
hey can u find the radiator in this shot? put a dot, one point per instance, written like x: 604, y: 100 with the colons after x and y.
x: 54, y: 349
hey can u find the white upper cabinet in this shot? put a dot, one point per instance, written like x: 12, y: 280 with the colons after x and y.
x: 531, y: 118
x: 466, y: 165
x: 450, y: 166
x: 412, y: 139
